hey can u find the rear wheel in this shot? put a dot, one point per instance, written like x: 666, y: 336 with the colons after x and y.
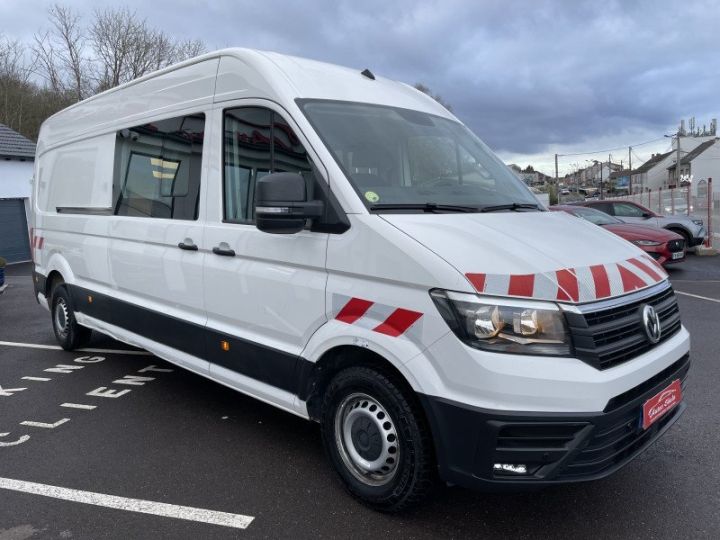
x: 377, y: 439
x: 69, y: 334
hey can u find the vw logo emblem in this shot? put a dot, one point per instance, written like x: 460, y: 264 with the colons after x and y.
x: 651, y: 323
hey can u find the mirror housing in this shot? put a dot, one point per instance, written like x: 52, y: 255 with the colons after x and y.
x: 281, y: 205
x: 647, y: 215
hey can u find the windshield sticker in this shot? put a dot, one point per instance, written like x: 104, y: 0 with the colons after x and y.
x: 372, y: 196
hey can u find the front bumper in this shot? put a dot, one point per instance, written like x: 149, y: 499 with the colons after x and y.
x: 696, y: 241
x: 554, y: 447
x: 663, y: 253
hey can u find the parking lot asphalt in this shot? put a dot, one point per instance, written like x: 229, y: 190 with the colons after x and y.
x: 178, y: 439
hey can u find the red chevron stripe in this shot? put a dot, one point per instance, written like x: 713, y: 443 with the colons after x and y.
x: 567, y: 285
x: 353, y: 310
x: 398, y: 322
x: 477, y: 280
x: 657, y: 264
x: 645, y: 268
x: 630, y: 280
x: 601, y: 280
x: 521, y: 285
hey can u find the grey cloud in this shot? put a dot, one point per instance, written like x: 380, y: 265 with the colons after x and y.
x: 524, y: 75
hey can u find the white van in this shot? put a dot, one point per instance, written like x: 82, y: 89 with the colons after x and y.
x: 340, y: 246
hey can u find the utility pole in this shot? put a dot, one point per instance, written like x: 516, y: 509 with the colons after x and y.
x: 557, y: 191
x: 602, y: 196
x: 630, y: 191
x: 677, y: 168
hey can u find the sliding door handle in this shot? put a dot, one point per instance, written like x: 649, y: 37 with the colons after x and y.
x: 188, y: 245
x: 224, y: 251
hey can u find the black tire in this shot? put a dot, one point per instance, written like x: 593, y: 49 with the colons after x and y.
x: 402, y: 423
x: 69, y: 334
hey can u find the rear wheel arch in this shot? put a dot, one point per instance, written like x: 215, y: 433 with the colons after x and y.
x: 54, y: 279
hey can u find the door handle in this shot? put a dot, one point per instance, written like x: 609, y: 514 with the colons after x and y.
x: 188, y: 245
x: 217, y: 250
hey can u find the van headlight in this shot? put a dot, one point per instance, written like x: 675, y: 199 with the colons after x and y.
x: 505, y: 325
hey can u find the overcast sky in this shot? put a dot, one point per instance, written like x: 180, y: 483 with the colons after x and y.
x: 531, y: 78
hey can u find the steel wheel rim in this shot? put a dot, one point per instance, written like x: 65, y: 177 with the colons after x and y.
x: 62, y: 317
x: 366, y: 437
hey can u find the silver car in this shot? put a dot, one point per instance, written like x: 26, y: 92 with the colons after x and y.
x: 692, y: 229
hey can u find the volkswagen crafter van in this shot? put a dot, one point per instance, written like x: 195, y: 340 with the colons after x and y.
x: 340, y: 246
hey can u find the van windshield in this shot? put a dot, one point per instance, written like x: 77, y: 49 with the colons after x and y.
x: 400, y: 160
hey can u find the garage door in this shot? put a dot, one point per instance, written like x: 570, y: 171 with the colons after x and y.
x: 14, y: 242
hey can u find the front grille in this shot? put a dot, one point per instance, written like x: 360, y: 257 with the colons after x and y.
x: 608, y: 337
x: 676, y: 245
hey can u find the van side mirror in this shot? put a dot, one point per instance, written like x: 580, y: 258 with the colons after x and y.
x: 281, y: 205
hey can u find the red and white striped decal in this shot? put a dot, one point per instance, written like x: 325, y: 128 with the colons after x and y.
x: 583, y: 284
x: 381, y: 318
x: 38, y: 242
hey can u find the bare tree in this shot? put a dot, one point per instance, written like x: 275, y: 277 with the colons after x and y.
x: 127, y: 48
x: 113, y: 36
x: 189, y: 49
x: 15, y: 73
x: 60, y: 52
x: 69, y: 61
x: 425, y: 90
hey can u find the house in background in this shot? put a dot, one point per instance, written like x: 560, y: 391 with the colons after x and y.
x: 697, y: 166
x: 17, y: 155
x: 652, y: 174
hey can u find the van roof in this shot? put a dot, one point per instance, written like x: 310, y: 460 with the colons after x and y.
x: 224, y: 75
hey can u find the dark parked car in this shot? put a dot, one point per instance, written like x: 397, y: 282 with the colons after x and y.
x: 664, y: 246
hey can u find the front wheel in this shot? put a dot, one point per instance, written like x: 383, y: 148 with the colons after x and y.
x: 377, y: 439
x: 69, y: 334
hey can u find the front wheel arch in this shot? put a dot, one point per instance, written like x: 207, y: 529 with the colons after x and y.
x: 682, y: 231
x: 319, y: 374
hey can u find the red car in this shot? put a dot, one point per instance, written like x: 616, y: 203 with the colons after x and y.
x: 664, y: 246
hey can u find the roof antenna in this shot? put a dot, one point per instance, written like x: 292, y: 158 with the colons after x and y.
x: 367, y: 73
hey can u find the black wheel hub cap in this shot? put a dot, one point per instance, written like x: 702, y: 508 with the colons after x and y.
x: 366, y: 439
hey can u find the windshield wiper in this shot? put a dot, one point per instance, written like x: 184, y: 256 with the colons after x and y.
x: 514, y: 207
x: 425, y: 207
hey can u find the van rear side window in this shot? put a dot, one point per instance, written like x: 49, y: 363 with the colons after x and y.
x: 158, y: 167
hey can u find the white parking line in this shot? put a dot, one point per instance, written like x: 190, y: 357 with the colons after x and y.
x: 59, y: 348
x: 78, y: 406
x: 698, y: 296
x: 188, y: 513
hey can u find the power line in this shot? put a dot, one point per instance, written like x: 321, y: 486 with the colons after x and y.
x: 605, y: 151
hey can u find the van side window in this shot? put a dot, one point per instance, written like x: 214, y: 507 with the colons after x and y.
x: 158, y: 167
x: 257, y: 141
